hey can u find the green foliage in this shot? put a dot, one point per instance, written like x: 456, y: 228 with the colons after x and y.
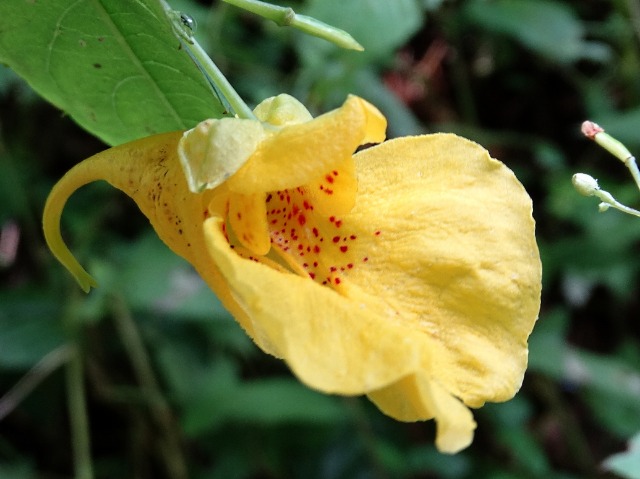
x: 115, y: 66
x: 549, y: 28
x: 171, y: 379
x: 626, y: 464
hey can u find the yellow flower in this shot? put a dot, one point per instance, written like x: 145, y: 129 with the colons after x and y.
x: 408, y: 272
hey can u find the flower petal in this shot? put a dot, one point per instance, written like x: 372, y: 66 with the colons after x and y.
x: 215, y: 149
x: 454, y: 253
x: 248, y: 220
x: 282, y: 110
x: 302, y: 153
x: 414, y: 398
x: 332, y: 343
x: 334, y: 193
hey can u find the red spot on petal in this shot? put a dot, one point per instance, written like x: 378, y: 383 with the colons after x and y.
x: 328, y: 191
x: 344, y: 248
x: 336, y: 239
x: 352, y: 237
x: 239, y: 215
x: 302, y: 219
x: 315, y: 232
x: 329, y: 178
x: 333, y: 269
x: 350, y: 265
x: 269, y: 196
x: 336, y: 280
x: 377, y: 233
x: 316, y: 249
x: 338, y: 223
x: 312, y: 275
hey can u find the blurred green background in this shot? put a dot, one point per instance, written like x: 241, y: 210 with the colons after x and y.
x: 174, y: 387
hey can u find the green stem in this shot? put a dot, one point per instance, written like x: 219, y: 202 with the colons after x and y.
x: 634, y: 14
x: 35, y: 376
x: 286, y: 17
x: 77, y: 405
x: 633, y: 169
x: 609, y: 201
x: 183, y: 27
x: 160, y: 410
x: 240, y: 108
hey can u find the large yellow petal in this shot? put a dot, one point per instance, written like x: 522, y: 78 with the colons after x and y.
x: 454, y: 253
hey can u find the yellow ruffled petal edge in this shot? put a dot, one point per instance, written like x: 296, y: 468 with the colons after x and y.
x: 413, y: 397
x: 299, y: 154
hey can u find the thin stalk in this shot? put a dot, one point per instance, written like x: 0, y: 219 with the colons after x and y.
x: 240, y: 108
x: 286, y: 17
x: 634, y: 13
x: 160, y: 410
x: 35, y: 376
x: 79, y: 419
x: 184, y: 27
x: 633, y: 169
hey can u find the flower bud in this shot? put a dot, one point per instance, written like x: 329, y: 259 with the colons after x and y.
x: 585, y: 184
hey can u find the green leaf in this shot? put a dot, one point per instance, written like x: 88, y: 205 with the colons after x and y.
x: 267, y: 402
x: 114, y: 66
x: 547, y: 27
x: 29, y: 329
x: 379, y: 26
x: 16, y: 470
x: 626, y: 464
